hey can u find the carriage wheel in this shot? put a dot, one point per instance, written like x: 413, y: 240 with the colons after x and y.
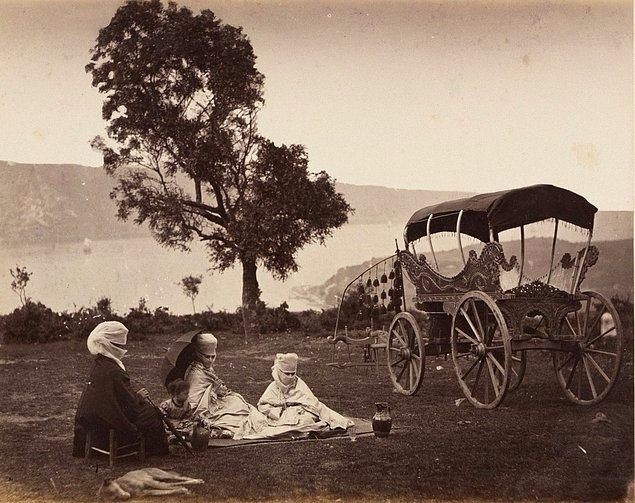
x: 405, y: 354
x: 481, y: 350
x: 588, y: 373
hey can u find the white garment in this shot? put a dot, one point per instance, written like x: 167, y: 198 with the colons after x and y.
x: 225, y: 409
x: 100, y: 341
x: 298, y: 406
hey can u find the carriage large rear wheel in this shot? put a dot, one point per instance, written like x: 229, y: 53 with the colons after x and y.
x: 481, y: 350
x: 405, y: 354
x: 588, y: 372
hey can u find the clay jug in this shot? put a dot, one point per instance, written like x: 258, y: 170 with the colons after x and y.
x: 382, y: 422
x: 200, y: 437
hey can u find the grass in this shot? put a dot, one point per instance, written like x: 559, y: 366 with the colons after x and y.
x: 536, y: 446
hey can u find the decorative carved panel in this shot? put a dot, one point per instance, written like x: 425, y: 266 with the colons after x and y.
x: 480, y: 272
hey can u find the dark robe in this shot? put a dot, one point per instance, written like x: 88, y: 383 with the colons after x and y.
x: 108, y: 401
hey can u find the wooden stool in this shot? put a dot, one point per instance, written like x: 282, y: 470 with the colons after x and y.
x: 115, y: 451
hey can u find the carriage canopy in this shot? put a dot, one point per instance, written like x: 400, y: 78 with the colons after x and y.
x: 500, y: 211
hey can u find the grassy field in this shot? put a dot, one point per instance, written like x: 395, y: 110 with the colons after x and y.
x: 535, y: 447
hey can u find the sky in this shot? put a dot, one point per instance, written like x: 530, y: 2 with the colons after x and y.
x: 445, y: 95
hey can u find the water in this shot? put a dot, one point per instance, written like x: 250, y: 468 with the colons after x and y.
x: 65, y: 277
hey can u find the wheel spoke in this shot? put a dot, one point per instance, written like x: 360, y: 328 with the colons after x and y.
x: 396, y: 350
x: 600, y: 352
x: 478, y: 376
x: 400, y: 335
x: 516, y: 359
x: 408, y: 336
x: 402, y: 371
x: 575, y: 364
x: 469, y: 321
x: 592, y: 327
x: 598, y: 368
x: 415, y: 357
x: 492, y: 376
x: 461, y: 355
x: 473, y: 341
x: 571, y: 355
x: 496, y: 362
x: 478, y: 318
x: 588, y: 375
x: 412, y: 376
x: 466, y: 373
x: 397, y: 362
x: 600, y: 336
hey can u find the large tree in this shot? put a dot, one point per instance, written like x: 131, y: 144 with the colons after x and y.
x: 181, y: 96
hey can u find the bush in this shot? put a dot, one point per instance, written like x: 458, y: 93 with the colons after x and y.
x: 276, y: 320
x: 624, y: 308
x: 222, y: 320
x: 34, y: 322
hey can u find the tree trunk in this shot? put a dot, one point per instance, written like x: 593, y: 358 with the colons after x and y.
x: 251, y: 296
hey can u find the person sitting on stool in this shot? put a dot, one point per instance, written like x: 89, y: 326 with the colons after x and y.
x: 108, y: 400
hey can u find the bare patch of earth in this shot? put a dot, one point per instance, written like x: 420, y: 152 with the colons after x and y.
x: 20, y: 419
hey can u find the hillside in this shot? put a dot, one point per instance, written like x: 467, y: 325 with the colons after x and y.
x: 45, y: 203
x: 613, y: 274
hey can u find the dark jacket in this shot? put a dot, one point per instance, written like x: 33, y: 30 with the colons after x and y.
x: 108, y: 401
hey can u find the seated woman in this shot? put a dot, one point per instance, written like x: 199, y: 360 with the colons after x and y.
x: 109, y: 402
x: 289, y: 402
x: 211, y: 400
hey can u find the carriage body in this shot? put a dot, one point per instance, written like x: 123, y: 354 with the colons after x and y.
x: 490, y: 314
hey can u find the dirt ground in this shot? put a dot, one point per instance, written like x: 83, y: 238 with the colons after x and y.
x: 536, y: 446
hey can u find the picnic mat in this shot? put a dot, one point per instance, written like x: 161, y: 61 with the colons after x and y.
x: 362, y: 427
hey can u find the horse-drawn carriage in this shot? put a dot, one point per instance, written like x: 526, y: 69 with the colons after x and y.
x: 490, y: 314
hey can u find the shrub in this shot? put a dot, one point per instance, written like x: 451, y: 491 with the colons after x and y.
x: 222, y: 320
x: 275, y: 320
x: 33, y: 322
x: 624, y: 308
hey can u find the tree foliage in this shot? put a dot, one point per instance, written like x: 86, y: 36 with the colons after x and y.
x: 181, y: 96
x: 21, y: 277
x: 190, y: 286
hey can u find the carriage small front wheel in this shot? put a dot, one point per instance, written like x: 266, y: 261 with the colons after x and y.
x: 405, y: 354
x: 481, y: 350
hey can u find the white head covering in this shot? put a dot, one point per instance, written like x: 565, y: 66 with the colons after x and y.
x: 100, y: 341
x: 285, y: 362
x: 206, y: 343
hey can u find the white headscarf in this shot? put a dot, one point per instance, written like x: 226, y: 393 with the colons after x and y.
x: 100, y: 341
x: 206, y: 343
x: 285, y: 362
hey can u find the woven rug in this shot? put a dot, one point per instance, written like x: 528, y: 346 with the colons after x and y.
x: 362, y: 427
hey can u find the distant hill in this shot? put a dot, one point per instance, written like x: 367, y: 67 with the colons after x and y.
x: 48, y: 203
x: 374, y: 204
x: 613, y: 274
